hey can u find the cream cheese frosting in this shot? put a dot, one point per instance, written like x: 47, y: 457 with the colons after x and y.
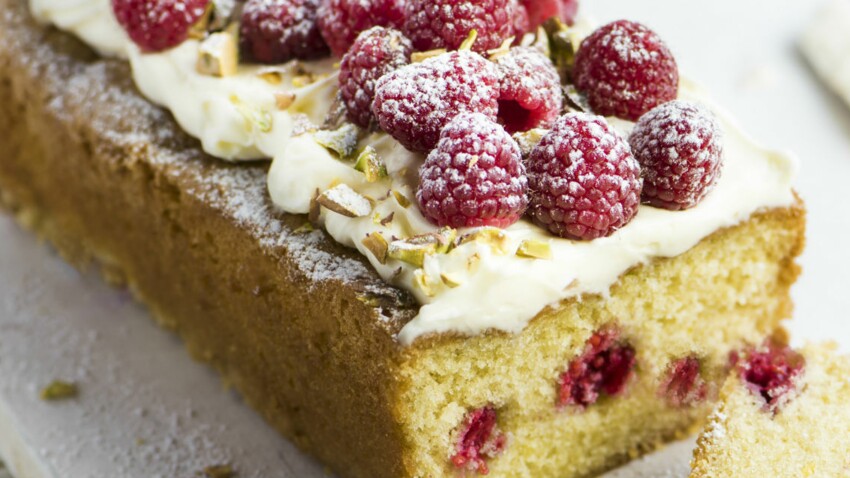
x: 478, y: 285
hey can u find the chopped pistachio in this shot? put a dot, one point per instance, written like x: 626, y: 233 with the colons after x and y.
x: 564, y: 43
x: 538, y: 40
x: 492, y: 236
x: 218, y: 55
x: 59, y: 390
x: 423, y: 282
x: 401, y: 199
x: 575, y: 101
x: 528, y: 140
x: 223, y: 14
x: 284, y: 99
x: 255, y: 117
x: 503, y: 49
x: 271, y: 74
x: 341, y: 199
x: 470, y: 41
x: 414, y: 249
x: 411, y: 252
x: 315, y: 209
x: 388, y: 220
x: 371, y: 165
x: 472, y: 262
x: 304, y: 228
x: 378, y: 246
x: 198, y: 30
x: 449, y: 280
x: 300, y: 81
x: 420, y: 56
x: 534, y: 249
x: 342, y: 141
x: 219, y: 471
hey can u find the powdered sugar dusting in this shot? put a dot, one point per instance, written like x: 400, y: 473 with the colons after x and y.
x: 415, y: 102
x: 129, y: 131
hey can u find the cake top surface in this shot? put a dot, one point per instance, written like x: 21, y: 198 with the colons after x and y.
x: 99, y: 93
x: 470, y: 274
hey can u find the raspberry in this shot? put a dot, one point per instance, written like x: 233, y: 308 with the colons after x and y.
x: 625, y: 70
x: 683, y: 384
x: 480, y: 439
x: 415, y: 102
x: 522, y: 24
x: 583, y: 179
x: 447, y: 23
x: 276, y: 31
x: 541, y: 10
x: 375, y: 53
x: 530, y: 90
x: 340, y: 21
x: 157, y: 25
x: 680, y: 150
x: 770, y: 372
x: 605, y: 366
x: 475, y: 177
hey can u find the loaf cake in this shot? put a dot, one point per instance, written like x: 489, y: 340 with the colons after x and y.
x: 782, y: 413
x: 517, y: 345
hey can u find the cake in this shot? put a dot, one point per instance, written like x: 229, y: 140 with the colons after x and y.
x: 781, y: 413
x: 569, y: 349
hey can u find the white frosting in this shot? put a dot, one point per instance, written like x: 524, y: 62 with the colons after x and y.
x: 490, y: 288
x: 826, y: 44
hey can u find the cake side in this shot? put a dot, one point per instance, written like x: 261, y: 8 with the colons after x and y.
x: 729, y: 291
x: 805, y: 435
x: 298, y: 324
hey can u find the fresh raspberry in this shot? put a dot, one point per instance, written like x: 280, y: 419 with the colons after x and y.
x: 683, y: 385
x: 522, y: 23
x: 415, y: 102
x: 530, y: 90
x: 625, y: 70
x: 541, y: 10
x: 479, y: 440
x: 475, y: 177
x: 605, y: 366
x: 276, y: 31
x: 342, y: 20
x: 583, y: 179
x: 375, y: 53
x: 447, y: 23
x: 157, y: 25
x: 771, y: 372
x: 679, y: 147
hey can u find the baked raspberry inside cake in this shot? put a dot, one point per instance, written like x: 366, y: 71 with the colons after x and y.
x: 782, y: 413
x: 451, y: 272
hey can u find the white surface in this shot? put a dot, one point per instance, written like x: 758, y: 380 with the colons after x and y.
x: 138, y: 383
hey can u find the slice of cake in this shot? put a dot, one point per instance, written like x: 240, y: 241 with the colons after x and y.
x: 782, y: 413
x: 570, y: 303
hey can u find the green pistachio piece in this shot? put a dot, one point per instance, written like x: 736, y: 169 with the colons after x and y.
x: 342, y: 141
x: 341, y: 199
x: 371, y: 165
x: 534, y: 249
x: 59, y: 390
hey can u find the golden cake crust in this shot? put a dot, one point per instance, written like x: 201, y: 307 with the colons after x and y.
x: 301, y: 326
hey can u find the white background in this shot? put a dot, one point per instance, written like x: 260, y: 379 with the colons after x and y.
x: 148, y: 410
